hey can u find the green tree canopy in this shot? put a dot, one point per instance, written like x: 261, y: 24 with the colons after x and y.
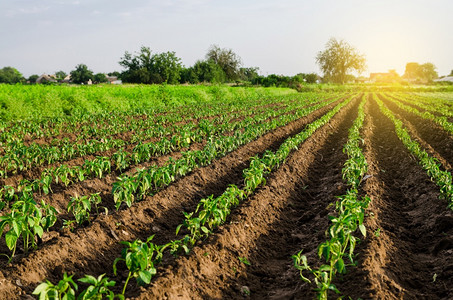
x: 338, y: 60
x: 206, y: 71
x: 33, y: 78
x: 229, y: 61
x: 10, y: 75
x: 249, y: 74
x: 60, y: 75
x: 420, y: 73
x: 100, y: 78
x: 309, y: 77
x: 145, y: 67
x: 81, y: 74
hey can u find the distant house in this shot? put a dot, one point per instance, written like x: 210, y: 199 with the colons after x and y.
x: 67, y: 79
x: 113, y: 80
x: 44, y: 78
x: 445, y: 79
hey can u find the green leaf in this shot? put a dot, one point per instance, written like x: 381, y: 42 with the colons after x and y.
x: 340, y: 265
x: 362, y: 229
x: 88, y: 279
x: 178, y: 228
x: 145, y: 276
x: 325, y: 268
x: 11, y: 239
x: 40, y: 288
x: 38, y: 230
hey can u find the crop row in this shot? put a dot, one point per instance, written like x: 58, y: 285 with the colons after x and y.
x: 86, y: 124
x: 428, y: 104
x: 127, y: 188
x: 141, y: 258
x: 431, y: 165
x: 142, y: 152
x: 351, y: 212
x: 19, y: 157
x: 442, y: 121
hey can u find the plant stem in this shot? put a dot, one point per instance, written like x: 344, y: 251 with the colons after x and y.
x: 127, y: 281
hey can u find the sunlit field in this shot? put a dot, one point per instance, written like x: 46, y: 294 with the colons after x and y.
x: 162, y: 191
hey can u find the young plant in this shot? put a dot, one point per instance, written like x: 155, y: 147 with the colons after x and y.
x: 64, y: 290
x: 98, y: 289
x: 80, y: 207
x: 140, y: 258
x: 25, y: 220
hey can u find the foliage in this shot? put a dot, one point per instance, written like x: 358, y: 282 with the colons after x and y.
x: 64, y: 290
x: 204, y: 71
x: 32, y: 79
x: 229, y: 61
x: 145, y: 67
x: 42, y: 103
x: 249, y: 74
x: 10, y: 75
x: 442, y: 178
x: 351, y: 213
x: 294, y: 82
x: 98, y: 289
x: 309, y: 77
x: 80, y: 207
x: 424, y: 73
x: 27, y: 220
x: 60, y: 75
x: 338, y: 60
x: 99, y: 78
x: 81, y: 74
x: 140, y: 258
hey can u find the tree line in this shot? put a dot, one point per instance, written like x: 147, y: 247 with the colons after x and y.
x: 337, y: 62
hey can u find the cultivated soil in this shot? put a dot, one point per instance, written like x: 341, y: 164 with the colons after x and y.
x: 407, y: 253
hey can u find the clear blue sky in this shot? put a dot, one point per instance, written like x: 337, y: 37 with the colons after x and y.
x: 281, y: 37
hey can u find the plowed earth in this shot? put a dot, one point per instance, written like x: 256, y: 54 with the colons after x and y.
x: 407, y: 254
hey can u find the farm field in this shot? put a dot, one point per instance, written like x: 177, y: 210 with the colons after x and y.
x: 232, y: 193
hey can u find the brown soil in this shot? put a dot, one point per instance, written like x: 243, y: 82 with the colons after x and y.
x: 92, y: 250
x: 434, y: 138
x: 35, y: 172
x: 280, y: 219
x: 407, y: 254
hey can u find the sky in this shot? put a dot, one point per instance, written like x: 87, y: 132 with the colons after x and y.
x: 279, y: 37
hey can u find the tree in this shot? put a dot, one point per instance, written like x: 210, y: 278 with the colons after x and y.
x: 309, y: 78
x: 249, y: 74
x: 33, y: 78
x: 166, y: 67
x: 229, y: 61
x: 428, y: 72
x: 338, y: 60
x: 100, y: 78
x: 10, y: 75
x: 81, y: 74
x: 420, y: 73
x: 61, y: 75
x: 412, y: 71
x: 115, y: 74
x: 451, y: 73
x: 145, y: 67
